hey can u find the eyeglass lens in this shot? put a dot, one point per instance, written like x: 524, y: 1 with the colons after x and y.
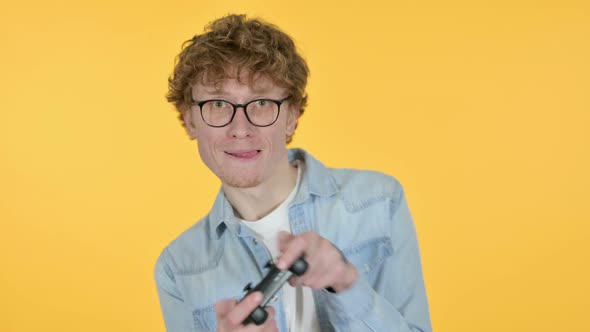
x: 259, y: 112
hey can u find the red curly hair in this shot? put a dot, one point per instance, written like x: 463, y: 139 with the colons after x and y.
x: 233, y: 45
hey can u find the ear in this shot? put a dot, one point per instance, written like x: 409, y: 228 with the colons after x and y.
x: 292, y: 117
x: 189, y: 125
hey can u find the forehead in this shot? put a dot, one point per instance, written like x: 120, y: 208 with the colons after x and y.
x: 237, y: 87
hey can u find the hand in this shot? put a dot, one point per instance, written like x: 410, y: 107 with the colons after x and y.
x: 231, y: 315
x: 327, y: 267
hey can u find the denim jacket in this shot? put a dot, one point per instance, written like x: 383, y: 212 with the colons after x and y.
x: 363, y: 213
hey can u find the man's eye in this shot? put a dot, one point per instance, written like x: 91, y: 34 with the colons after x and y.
x: 262, y: 102
x: 219, y: 104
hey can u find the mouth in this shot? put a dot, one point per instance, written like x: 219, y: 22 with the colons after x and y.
x: 243, y: 154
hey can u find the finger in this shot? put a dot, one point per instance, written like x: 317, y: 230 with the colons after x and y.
x: 315, y: 244
x: 223, y: 307
x: 271, y: 313
x: 341, y: 278
x: 329, y: 279
x: 293, y: 250
x: 270, y: 324
x: 295, y: 281
x: 322, y: 264
x: 314, y: 255
x: 271, y: 328
x: 242, y: 310
x: 284, y: 239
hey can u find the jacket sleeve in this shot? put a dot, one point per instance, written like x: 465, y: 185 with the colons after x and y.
x: 402, y: 306
x: 177, y: 316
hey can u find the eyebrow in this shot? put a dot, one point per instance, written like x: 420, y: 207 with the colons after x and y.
x: 225, y: 92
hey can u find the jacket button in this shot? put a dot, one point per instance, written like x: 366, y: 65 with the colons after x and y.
x: 275, y: 298
x: 255, y: 242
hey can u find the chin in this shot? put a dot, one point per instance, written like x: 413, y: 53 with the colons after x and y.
x: 237, y: 181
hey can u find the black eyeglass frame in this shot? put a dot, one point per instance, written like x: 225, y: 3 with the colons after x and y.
x: 244, y: 106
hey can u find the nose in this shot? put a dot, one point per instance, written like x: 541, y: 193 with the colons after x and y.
x: 240, y: 127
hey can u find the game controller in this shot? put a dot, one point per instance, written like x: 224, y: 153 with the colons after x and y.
x: 271, y: 284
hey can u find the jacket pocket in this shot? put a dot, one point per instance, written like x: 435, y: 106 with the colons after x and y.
x: 205, y: 319
x: 368, y: 256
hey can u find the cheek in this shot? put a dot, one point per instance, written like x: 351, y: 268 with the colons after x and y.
x: 276, y: 141
x: 205, y: 146
x: 276, y: 137
x: 203, y: 152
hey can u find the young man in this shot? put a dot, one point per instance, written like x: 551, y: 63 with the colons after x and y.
x: 239, y: 89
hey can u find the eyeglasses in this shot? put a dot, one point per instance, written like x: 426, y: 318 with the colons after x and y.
x: 259, y: 112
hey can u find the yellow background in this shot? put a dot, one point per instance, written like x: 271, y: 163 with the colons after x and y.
x: 480, y: 108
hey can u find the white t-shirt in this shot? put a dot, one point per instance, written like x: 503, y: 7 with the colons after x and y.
x: 298, y: 301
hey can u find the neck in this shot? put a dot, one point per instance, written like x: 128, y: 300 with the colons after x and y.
x: 257, y: 202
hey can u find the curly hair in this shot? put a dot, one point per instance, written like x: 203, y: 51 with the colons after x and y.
x: 230, y: 46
